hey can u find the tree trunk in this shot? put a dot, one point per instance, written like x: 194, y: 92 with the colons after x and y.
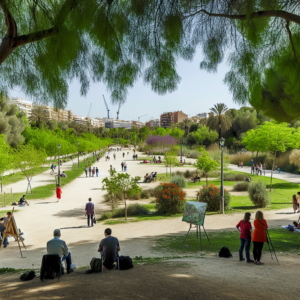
x: 206, y: 180
x: 256, y: 157
x: 272, y: 171
x: 5, y: 49
x: 125, y: 210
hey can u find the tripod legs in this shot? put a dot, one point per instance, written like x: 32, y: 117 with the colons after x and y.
x: 187, y: 234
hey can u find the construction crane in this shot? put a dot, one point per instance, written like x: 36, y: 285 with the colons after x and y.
x: 118, y: 111
x: 88, y: 115
x: 106, y: 107
x: 142, y: 116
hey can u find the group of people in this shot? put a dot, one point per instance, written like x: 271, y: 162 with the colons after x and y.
x: 151, y: 177
x: 108, y: 247
x: 91, y: 171
x: 156, y: 161
x: 258, y: 237
x: 257, y: 169
x: 124, y: 166
x: 135, y: 156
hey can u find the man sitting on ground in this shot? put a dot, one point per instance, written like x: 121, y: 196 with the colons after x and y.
x: 109, y: 248
x: 3, y: 226
x: 197, y: 177
x: 22, y: 201
x: 58, y: 246
x: 248, y: 179
x: 63, y: 174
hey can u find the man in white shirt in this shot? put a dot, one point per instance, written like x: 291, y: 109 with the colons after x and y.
x: 3, y: 225
x: 58, y: 246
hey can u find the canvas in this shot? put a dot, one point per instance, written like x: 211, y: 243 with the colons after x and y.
x: 194, y: 212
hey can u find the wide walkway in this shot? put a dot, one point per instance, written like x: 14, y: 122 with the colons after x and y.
x: 43, y: 216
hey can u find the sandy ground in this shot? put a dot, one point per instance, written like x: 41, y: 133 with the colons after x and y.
x: 208, y: 277
x: 43, y: 216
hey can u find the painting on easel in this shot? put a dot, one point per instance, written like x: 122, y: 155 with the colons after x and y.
x: 194, y: 213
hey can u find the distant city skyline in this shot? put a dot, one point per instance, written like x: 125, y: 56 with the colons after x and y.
x: 197, y: 92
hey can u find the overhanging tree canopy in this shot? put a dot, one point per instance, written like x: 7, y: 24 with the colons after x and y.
x: 47, y: 43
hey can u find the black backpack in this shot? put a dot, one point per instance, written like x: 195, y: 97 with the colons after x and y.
x: 27, y: 275
x: 224, y: 252
x: 96, y: 265
x: 125, y: 262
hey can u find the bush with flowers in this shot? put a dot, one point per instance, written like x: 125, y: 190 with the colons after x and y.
x: 211, y: 195
x: 170, y: 198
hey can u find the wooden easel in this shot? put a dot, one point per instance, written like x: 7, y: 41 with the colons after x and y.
x: 12, y: 230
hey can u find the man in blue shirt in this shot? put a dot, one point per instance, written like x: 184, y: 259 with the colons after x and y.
x: 109, y: 248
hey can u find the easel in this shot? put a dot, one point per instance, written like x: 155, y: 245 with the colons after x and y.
x: 12, y: 230
x: 198, y: 228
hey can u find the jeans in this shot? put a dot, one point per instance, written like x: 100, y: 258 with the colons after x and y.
x: 5, y: 240
x: 245, y: 243
x: 68, y: 260
x: 257, y: 249
x: 90, y: 217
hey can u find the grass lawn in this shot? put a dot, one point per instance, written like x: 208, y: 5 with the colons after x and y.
x: 282, y: 241
x: 12, y: 178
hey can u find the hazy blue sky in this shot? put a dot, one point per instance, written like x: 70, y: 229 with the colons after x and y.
x: 196, y: 93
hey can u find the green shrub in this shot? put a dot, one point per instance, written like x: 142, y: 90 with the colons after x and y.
x: 211, y: 196
x: 170, y: 199
x: 258, y: 193
x: 145, y: 194
x: 214, y: 174
x: 132, y: 210
x: 179, y: 181
x: 241, y: 186
x: 188, y: 174
x: 235, y: 177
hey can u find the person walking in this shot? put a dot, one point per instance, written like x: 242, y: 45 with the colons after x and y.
x: 90, y: 171
x: 251, y: 162
x: 123, y: 154
x: 295, y: 204
x: 94, y: 171
x: 122, y: 166
x: 245, y: 228
x: 90, y: 212
x: 97, y: 172
x: 86, y: 170
x: 58, y: 192
x: 260, y: 169
x: 125, y: 167
x: 259, y: 236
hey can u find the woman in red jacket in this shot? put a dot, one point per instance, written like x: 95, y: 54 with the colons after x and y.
x: 259, y: 236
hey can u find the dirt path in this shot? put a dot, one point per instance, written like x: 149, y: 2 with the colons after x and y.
x: 189, y: 279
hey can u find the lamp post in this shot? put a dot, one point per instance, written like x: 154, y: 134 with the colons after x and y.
x: 181, y: 150
x: 58, y: 164
x: 222, y: 204
x: 78, y: 154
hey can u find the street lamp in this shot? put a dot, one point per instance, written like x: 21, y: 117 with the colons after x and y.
x: 181, y: 150
x: 59, y: 165
x: 222, y: 205
x: 78, y: 154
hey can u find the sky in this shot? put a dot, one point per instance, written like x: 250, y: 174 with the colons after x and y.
x: 197, y: 92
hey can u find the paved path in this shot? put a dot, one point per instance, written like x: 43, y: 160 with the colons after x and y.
x: 282, y: 175
x: 43, y: 216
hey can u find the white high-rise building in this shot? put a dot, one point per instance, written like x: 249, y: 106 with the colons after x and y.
x: 25, y: 106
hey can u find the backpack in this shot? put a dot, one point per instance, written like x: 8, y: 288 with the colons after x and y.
x: 96, y: 265
x: 27, y: 275
x: 125, y: 262
x: 224, y: 252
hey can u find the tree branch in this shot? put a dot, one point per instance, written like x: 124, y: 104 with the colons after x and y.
x: 259, y: 14
x: 291, y: 38
x: 9, y: 21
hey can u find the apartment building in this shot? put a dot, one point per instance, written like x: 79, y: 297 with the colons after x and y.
x: 168, y: 118
x: 113, y: 123
x: 153, y: 123
x: 22, y: 104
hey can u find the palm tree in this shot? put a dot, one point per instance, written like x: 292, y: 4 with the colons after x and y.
x: 221, y: 118
x: 38, y: 115
x: 187, y: 124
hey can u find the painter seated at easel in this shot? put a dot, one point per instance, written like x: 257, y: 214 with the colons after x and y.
x: 3, y: 225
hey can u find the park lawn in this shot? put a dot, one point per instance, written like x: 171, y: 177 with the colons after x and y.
x: 48, y: 190
x: 282, y: 240
x: 17, y: 176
